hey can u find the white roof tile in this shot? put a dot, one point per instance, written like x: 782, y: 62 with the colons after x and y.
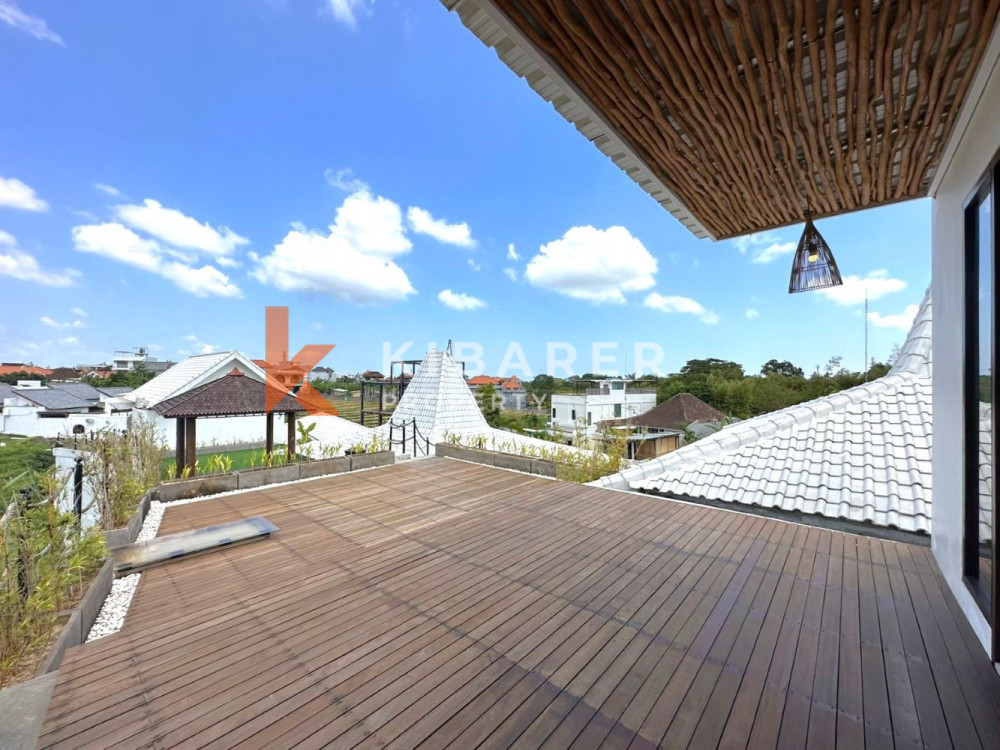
x: 189, y: 373
x: 863, y: 454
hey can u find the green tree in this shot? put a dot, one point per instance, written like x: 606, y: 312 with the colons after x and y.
x: 489, y: 403
x: 782, y: 367
x: 719, y: 367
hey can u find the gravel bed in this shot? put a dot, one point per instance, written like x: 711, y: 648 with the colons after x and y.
x: 112, y: 615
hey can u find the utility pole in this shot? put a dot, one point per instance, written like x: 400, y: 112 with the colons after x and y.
x: 866, y: 334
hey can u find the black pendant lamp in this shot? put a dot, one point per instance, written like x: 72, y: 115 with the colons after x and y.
x: 813, y: 266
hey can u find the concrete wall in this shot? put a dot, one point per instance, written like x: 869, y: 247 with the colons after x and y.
x: 973, y: 146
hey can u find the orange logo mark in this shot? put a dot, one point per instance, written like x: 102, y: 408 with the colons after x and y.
x: 282, y: 374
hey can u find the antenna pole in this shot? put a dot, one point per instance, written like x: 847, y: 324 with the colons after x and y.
x: 866, y: 334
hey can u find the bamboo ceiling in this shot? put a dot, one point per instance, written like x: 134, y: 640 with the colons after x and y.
x: 753, y: 112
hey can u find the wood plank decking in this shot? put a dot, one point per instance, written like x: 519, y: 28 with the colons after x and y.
x: 438, y: 603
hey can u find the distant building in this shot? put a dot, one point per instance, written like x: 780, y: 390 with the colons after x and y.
x: 513, y: 394
x: 372, y: 375
x: 64, y: 374
x: 13, y: 368
x: 679, y: 412
x: 614, y: 398
x: 321, y: 373
x: 138, y: 358
x: 479, y: 380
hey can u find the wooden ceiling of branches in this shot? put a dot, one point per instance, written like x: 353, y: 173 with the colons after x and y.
x: 753, y: 111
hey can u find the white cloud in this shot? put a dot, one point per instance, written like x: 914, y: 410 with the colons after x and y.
x: 177, y: 229
x: 451, y: 234
x: 15, y: 194
x: 199, y: 346
x: 751, y: 313
x: 764, y: 246
x: 852, y: 292
x: 597, y: 265
x: 751, y: 241
x: 512, y: 254
x: 353, y: 262
x: 346, y: 11
x: 774, y: 251
x: 107, y: 189
x: 677, y: 304
x: 344, y: 179
x: 69, y: 341
x: 13, y: 16
x: 460, y: 300
x: 206, y: 281
x: 112, y: 240
x: 24, y: 266
x: 903, y: 321
x: 474, y: 266
x: 79, y: 312
x: 62, y: 324
x: 510, y: 273
x: 371, y: 224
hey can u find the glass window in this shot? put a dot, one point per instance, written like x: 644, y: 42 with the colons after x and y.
x: 981, y: 321
x: 553, y: 412
x: 574, y: 415
x: 618, y: 410
x: 588, y: 418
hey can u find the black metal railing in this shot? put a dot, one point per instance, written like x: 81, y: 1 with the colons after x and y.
x: 409, y: 432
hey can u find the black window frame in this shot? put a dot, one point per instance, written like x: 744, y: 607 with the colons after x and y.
x: 986, y: 188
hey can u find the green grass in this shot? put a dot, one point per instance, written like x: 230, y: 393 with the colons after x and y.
x: 22, y: 456
x: 241, y: 460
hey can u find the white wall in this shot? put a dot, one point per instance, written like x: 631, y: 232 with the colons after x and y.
x: 221, y: 430
x: 601, y: 407
x: 971, y: 151
x: 24, y: 420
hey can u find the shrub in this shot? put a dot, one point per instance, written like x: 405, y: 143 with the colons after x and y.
x: 46, y: 560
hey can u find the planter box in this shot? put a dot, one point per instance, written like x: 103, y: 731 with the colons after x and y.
x: 182, y: 489
x: 259, y: 477
x: 527, y: 464
x: 371, y: 460
x: 116, y: 538
x: 81, y: 619
x: 324, y: 466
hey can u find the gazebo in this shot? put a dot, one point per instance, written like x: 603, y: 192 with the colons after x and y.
x: 234, y: 395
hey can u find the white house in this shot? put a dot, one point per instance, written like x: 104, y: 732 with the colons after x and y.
x: 614, y: 398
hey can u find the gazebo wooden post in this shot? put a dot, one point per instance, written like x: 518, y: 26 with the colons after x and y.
x: 269, y: 439
x: 190, y: 446
x: 290, y: 417
x: 179, y: 449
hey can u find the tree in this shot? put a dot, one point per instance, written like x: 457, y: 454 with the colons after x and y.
x: 719, y: 367
x: 489, y: 403
x: 781, y: 367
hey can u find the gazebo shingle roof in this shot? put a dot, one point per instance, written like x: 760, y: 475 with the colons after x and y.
x: 229, y: 396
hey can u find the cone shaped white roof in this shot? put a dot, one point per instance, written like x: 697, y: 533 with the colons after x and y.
x: 439, y: 399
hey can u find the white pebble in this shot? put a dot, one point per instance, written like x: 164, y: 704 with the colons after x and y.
x: 112, y: 615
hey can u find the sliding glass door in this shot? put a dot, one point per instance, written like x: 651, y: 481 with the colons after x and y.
x: 980, y: 396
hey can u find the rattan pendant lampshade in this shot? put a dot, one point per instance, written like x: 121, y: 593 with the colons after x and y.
x: 813, y: 266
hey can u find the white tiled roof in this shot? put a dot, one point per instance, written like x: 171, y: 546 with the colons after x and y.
x: 333, y: 431
x: 442, y: 404
x: 863, y: 454
x: 439, y: 399
x: 189, y: 373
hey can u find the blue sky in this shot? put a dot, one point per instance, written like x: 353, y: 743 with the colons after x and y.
x: 167, y: 169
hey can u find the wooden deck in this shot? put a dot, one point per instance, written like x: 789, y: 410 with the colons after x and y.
x: 438, y: 603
